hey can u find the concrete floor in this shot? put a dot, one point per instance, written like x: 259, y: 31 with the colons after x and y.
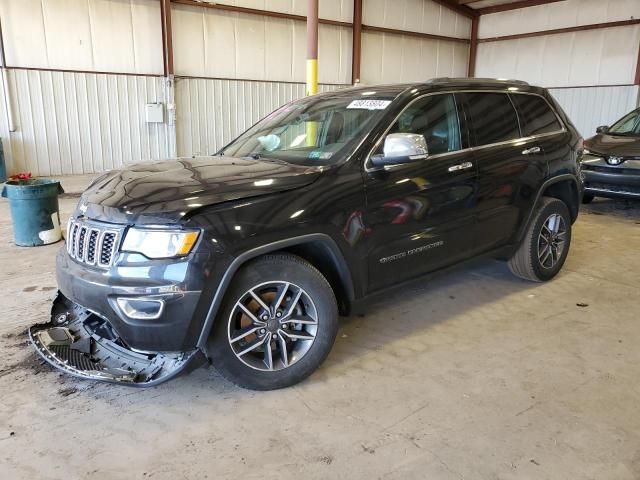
x: 474, y: 374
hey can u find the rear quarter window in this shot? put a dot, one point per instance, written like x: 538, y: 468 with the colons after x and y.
x: 491, y: 117
x: 536, y: 116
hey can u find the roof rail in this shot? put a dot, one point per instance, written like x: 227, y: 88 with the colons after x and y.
x: 465, y: 79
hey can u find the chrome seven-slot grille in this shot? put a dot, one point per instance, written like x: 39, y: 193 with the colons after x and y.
x: 91, y: 244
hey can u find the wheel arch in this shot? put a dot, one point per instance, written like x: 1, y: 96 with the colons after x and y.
x: 563, y: 187
x: 317, y: 248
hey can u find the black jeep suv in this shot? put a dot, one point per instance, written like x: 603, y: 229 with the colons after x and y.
x: 246, y: 258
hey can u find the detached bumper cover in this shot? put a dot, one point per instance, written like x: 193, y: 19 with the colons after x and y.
x: 82, y: 344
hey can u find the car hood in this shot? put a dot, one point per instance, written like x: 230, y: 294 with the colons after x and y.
x: 166, y: 191
x: 618, y: 145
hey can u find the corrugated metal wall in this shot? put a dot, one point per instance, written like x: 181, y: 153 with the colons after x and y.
x: 591, y: 73
x: 595, y: 57
x: 606, y: 56
x: 72, y: 123
x: 589, y: 108
x: 220, y: 44
x: 122, y: 36
x: 569, y: 13
x: 391, y: 58
x: 212, y: 112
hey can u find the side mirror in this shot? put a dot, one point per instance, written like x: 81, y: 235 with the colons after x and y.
x: 401, y: 148
x: 602, y: 129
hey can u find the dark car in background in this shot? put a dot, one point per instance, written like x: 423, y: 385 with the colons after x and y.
x: 611, y: 163
x: 245, y: 259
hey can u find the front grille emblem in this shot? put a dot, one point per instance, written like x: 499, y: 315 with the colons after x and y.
x: 614, y: 160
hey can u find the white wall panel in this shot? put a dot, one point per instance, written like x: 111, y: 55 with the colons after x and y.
x: 213, y: 43
x: 391, y: 58
x: 72, y: 123
x: 422, y: 16
x: 213, y: 112
x: 589, y: 108
x: 98, y: 35
x: 569, y: 13
x: 595, y: 57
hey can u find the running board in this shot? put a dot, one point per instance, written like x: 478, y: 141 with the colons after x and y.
x: 81, y: 343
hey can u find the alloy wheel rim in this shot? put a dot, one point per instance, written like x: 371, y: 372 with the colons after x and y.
x: 551, y: 241
x: 272, y: 326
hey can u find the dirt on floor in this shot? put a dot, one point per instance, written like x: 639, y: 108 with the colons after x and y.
x: 471, y: 374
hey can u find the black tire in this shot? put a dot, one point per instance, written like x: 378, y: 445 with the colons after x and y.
x: 526, y: 262
x: 277, y: 268
x: 587, y: 198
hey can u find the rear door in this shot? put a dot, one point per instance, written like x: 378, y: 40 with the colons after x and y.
x: 508, y: 165
x: 539, y: 120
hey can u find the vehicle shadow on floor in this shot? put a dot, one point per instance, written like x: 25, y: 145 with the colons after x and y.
x: 618, y: 208
x: 409, y: 310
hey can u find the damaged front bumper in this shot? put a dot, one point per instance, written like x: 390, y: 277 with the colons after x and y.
x: 79, y: 342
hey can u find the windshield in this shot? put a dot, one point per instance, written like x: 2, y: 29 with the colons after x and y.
x: 628, y: 125
x: 311, y: 131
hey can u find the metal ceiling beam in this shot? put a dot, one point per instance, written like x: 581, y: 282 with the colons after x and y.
x: 514, y: 6
x: 458, y: 8
x: 256, y: 11
x: 580, y: 28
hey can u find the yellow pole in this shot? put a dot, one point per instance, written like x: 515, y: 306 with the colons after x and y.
x: 312, y: 64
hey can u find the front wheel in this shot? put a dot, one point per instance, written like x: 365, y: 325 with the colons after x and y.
x: 546, y: 243
x: 277, y: 325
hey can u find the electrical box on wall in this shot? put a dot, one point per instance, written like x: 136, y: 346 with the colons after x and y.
x: 154, y: 113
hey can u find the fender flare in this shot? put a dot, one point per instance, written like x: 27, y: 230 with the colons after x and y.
x: 218, y: 296
x: 541, y: 190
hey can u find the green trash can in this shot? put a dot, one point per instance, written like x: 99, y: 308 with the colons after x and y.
x: 34, y: 210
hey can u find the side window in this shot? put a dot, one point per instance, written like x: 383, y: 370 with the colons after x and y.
x: 436, y: 118
x: 536, y: 116
x: 492, y: 117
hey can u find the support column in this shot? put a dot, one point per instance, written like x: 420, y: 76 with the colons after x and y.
x: 312, y: 64
x: 356, y: 52
x: 473, y: 47
x: 169, y: 82
x: 312, y: 47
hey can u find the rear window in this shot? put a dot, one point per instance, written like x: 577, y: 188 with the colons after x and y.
x: 491, y: 116
x: 535, y: 115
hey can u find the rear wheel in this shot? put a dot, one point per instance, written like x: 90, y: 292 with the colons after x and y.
x: 546, y: 244
x: 277, y: 325
x: 587, y: 198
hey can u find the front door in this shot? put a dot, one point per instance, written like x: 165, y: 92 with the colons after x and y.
x: 420, y: 215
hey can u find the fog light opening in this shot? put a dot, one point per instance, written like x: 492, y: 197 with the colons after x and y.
x: 141, y: 308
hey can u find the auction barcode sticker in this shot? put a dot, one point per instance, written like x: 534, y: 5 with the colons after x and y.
x: 370, y: 104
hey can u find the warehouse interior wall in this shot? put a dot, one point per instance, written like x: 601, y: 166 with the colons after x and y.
x: 392, y: 58
x: 591, y: 73
x: 81, y: 72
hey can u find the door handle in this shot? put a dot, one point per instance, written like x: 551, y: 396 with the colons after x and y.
x: 460, y: 166
x: 531, y: 150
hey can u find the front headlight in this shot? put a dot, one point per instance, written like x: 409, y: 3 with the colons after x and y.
x: 159, y: 243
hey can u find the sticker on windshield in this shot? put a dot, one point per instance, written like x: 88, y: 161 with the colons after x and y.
x: 370, y: 104
x: 317, y: 154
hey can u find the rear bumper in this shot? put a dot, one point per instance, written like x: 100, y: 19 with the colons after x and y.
x: 82, y: 344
